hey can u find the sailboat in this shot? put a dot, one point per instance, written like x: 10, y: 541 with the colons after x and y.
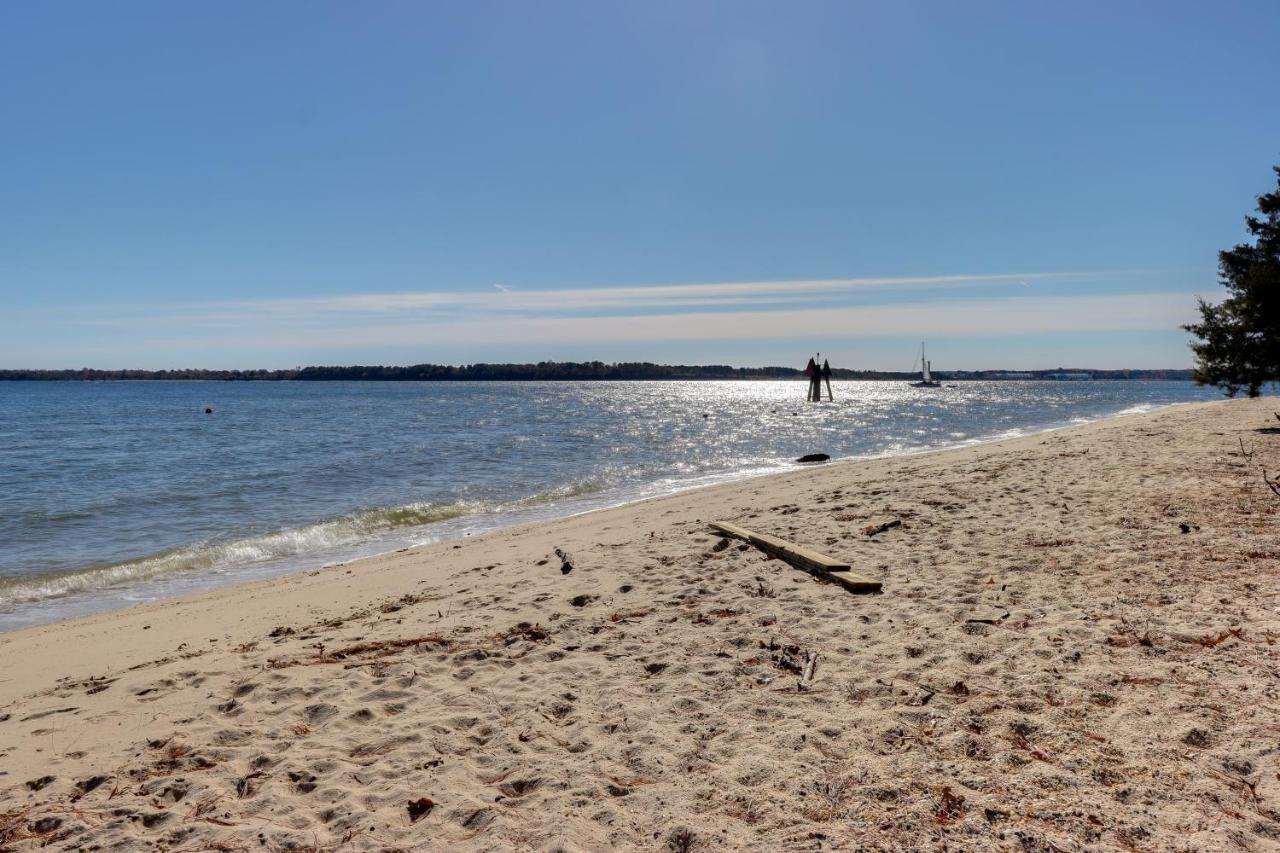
x: 926, y: 379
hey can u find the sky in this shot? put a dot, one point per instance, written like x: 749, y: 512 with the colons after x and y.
x: 240, y: 185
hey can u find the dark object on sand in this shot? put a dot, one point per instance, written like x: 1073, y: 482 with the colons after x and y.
x: 37, y: 784
x: 814, y: 457
x: 988, y: 616
x: 566, y: 562
x: 420, y: 808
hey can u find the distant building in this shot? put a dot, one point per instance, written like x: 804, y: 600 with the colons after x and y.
x: 1011, y: 375
x: 1070, y: 376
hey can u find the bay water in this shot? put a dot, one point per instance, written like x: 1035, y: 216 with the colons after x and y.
x: 113, y: 493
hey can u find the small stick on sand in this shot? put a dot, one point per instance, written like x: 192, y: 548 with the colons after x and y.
x: 877, y: 529
x: 810, y: 667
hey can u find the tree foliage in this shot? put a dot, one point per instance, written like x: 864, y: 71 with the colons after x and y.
x: 1239, y: 339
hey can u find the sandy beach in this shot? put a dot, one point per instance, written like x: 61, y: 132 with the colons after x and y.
x: 1075, y: 648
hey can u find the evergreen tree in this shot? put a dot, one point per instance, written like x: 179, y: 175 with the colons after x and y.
x: 1239, y: 339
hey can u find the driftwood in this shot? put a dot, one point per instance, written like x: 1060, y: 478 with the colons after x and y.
x: 1248, y: 455
x: 988, y: 616
x: 810, y: 667
x: 876, y: 529
x: 803, y: 558
x: 1273, y: 485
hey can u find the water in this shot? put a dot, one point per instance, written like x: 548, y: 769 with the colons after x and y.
x: 114, y: 493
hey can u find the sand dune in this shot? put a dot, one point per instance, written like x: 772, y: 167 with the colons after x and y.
x: 1076, y: 648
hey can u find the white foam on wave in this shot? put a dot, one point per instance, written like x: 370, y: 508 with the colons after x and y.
x: 216, y: 556
x: 311, y: 544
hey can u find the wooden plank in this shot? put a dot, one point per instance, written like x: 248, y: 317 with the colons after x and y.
x: 782, y: 548
x: 849, y: 580
x: 801, y: 557
x: 731, y: 530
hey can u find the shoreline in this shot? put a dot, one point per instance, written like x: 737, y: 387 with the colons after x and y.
x: 1051, y: 658
x: 79, y: 604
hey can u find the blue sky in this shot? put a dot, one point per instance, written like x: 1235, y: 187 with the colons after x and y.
x: 272, y: 184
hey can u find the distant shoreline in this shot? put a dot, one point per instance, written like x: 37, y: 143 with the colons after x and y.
x: 571, y: 372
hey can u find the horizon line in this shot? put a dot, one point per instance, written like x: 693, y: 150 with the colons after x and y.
x: 567, y: 364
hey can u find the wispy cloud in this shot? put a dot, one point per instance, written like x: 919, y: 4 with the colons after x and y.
x: 971, y: 318
x: 664, y: 296
x: 953, y: 306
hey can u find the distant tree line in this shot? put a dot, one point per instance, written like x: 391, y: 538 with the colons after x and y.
x: 542, y: 371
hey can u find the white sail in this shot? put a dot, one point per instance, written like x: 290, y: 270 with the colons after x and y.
x: 924, y: 364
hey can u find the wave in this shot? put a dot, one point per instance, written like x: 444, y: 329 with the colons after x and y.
x: 576, y: 489
x: 1140, y: 409
x: 310, y: 539
x: 214, y: 556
